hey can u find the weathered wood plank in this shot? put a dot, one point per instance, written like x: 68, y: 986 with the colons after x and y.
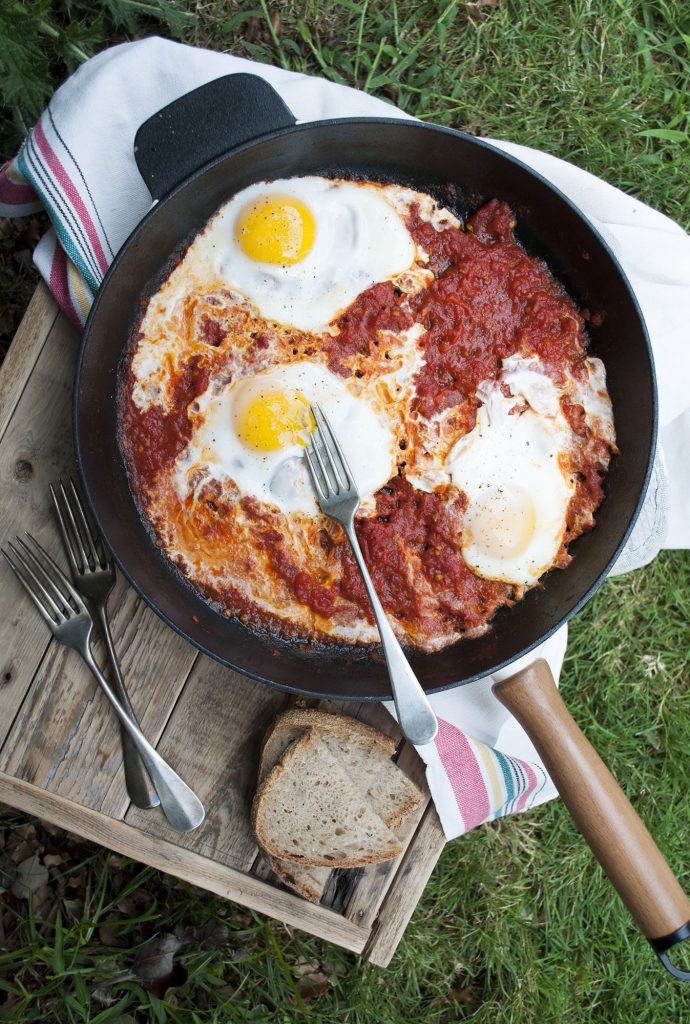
x: 26, y: 346
x: 182, y: 863
x: 35, y: 448
x: 57, y: 730
x: 372, y: 886
x: 213, y: 739
x: 406, y: 889
x: 65, y: 737
x: 61, y: 742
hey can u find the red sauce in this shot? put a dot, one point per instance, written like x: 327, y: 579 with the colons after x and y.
x: 152, y: 440
x: 489, y: 299
x: 212, y: 331
x: 307, y: 590
x: 378, y: 308
x: 440, y: 591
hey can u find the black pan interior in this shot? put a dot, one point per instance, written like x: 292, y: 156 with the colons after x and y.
x: 463, y: 172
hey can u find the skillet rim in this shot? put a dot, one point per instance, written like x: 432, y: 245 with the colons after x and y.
x: 397, y: 122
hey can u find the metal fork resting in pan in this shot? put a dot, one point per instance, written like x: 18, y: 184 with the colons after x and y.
x: 71, y: 623
x: 339, y: 498
x: 93, y: 575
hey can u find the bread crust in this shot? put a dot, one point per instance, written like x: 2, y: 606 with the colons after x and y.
x: 282, y: 868
x: 338, y: 724
x: 343, y: 726
x: 294, y: 752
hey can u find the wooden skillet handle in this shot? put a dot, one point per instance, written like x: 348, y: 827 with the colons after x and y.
x: 600, y: 809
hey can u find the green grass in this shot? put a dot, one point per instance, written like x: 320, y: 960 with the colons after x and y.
x: 517, y: 924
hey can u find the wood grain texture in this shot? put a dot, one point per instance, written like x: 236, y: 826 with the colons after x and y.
x: 57, y: 730
x: 213, y: 740
x: 405, y: 890
x: 27, y: 343
x: 35, y: 449
x: 182, y: 863
x: 66, y: 739
x: 60, y: 753
x: 371, y: 887
x: 599, y: 807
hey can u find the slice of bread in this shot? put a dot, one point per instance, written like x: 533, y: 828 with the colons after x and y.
x: 363, y: 753
x: 293, y: 722
x: 308, y: 811
x: 308, y: 881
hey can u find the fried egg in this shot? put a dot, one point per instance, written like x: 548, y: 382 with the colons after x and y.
x: 252, y: 433
x: 513, y: 467
x: 300, y: 250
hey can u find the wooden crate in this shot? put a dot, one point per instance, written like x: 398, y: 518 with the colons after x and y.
x: 60, y: 754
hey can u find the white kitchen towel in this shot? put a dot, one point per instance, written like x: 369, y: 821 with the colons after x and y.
x: 78, y: 164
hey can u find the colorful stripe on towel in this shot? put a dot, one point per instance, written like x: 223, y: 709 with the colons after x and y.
x: 45, y: 175
x: 486, y: 783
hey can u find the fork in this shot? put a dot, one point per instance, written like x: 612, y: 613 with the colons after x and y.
x: 339, y: 498
x: 93, y: 575
x: 71, y: 623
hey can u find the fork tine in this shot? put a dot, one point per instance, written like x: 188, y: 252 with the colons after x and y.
x: 324, y: 428
x: 83, y: 520
x: 50, y: 587
x: 77, y: 542
x: 24, y: 573
x: 332, y: 482
x: 66, y: 537
x: 321, y: 494
x: 59, y: 573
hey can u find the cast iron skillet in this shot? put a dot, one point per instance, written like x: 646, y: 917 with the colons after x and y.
x: 237, y: 130
x: 194, y: 155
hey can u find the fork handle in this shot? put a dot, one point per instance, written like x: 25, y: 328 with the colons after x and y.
x: 181, y: 806
x: 416, y: 717
x: 139, y: 786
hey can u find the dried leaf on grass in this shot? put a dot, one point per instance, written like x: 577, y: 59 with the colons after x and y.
x: 133, y: 903
x: 31, y: 876
x: 8, y: 872
x: 53, y: 860
x: 103, y: 994
x: 463, y: 994
x: 207, y: 936
x: 155, y: 966
x: 72, y: 910
x: 110, y: 934
x: 312, y: 979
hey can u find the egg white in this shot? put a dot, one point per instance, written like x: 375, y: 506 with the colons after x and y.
x: 510, y: 468
x: 514, y: 466
x: 280, y: 477
x: 360, y: 239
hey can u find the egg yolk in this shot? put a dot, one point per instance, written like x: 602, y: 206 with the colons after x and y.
x: 276, y: 229
x: 501, y: 525
x: 274, y: 420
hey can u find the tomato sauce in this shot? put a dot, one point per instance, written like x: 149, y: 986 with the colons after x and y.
x: 488, y: 300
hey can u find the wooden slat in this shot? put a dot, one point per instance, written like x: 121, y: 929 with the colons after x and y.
x: 35, y: 449
x: 213, y: 740
x: 59, y: 743
x: 375, y: 881
x: 24, y: 351
x: 50, y: 734
x: 175, y: 860
x: 65, y: 737
x: 406, y: 889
